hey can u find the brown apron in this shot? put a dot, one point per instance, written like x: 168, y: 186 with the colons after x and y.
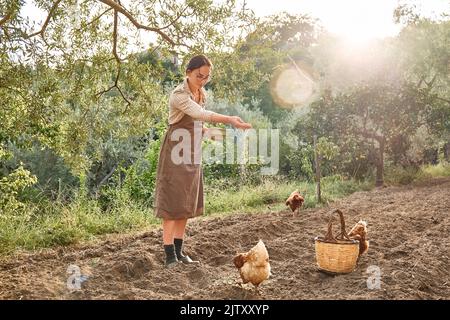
x: 179, y: 186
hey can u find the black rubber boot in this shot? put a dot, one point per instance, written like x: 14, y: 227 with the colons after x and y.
x: 179, y: 252
x: 171, y: 258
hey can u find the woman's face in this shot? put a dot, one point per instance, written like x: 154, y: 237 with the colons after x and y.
x: 200, y: 76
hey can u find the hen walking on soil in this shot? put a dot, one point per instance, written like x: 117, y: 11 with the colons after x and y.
x: 295, y: 201
x: 359, y: 232
x: 254, y: 265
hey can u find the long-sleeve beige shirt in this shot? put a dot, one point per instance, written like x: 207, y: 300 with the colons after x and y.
x: 181, y: 102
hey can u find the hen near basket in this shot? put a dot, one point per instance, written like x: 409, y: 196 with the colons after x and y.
x: 336, y: 254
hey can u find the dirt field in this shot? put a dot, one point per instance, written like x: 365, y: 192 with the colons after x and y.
x: 409, y: 233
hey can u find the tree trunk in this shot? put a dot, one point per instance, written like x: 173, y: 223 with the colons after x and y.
x: 447, y: 151
x: 318, y: 173
x: 380, y: 164
x: 381, y: 139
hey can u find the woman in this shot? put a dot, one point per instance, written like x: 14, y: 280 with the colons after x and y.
x: 179, y: 184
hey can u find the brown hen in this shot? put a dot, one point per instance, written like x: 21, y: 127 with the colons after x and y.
x: 295, y: 201
x: 254, y: 266
x: 359, y: 232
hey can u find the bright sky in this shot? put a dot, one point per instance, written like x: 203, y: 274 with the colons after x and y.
x: 355, y: 19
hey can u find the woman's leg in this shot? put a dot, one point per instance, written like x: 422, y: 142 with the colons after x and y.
x: 169, y: 247
x: 180, y: 227
x: 168, y: 231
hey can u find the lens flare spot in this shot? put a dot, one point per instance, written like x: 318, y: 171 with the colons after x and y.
x: 292, y: 86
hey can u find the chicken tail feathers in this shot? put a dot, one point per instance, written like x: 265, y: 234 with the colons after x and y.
x: 239, y: 261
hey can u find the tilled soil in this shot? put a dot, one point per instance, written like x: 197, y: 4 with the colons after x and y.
x: 408, y: 229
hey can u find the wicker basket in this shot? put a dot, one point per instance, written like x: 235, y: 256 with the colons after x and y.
x: 336, y: 254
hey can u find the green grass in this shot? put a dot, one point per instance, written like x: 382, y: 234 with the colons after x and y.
x: 36, y: 227
x: 272, y: 194
x: 440, y: 170
x: 403, y: 176
x: 53, y: 223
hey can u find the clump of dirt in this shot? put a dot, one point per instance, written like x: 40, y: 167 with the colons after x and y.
x: 409, y: 230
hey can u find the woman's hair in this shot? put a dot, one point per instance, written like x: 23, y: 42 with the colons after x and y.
x: 198, y: 62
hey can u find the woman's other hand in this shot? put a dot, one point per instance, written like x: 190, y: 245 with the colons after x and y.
x: 238, y: 123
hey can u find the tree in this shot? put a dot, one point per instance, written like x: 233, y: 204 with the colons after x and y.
x: 84, y: 59
x: 371, y: 116
x: 425, y: 59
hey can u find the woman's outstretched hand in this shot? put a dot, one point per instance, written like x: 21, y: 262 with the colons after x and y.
x: 238, y: 123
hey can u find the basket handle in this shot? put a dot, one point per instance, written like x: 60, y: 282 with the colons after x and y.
x: 343, y: 235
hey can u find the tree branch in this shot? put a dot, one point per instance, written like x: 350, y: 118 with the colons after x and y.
x: 430, y: 84
x: 442, y: 99
x: 49, y: 16
x: 6, y: 18
x: 175, y: 20
x: 116, y: 85
x: 97, y: 188
x: 116, y: 56
x: 370, y: 135
x: 437, y: 97
x: 299, y: 71
x: 420, y: 82
x: 116, y: 6
x: 96, y: 18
